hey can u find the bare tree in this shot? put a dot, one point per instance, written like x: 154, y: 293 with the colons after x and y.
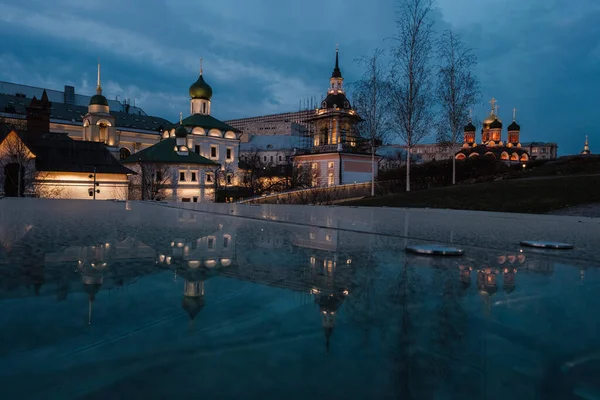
x: 457, y: 89
x: 151, y: 182
x: 411, y: 92
x: 369, y: 97
x: 17, y: 164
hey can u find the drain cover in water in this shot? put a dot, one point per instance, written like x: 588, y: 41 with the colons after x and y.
x: 546, y: 245
x: 435, y: 250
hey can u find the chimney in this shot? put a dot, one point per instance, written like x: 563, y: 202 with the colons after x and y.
x: 69, y: 94
x: 38, y: 115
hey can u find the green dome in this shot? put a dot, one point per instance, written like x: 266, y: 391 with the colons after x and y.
x: 200, y: 89
x: 98, y: 99
x: 181, y: 132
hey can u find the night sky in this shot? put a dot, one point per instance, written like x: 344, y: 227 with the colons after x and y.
x: 263, y: 56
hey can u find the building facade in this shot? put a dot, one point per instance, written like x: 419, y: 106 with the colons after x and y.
x: 337, y: 155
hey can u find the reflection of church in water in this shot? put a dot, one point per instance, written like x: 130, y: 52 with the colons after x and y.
x: 307, y: 260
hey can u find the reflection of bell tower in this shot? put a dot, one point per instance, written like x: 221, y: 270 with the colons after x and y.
x: 487, y: 285
x: 92, y: 278
x: 193, y: 298
x: 98, y: 124
x: 329, y: 305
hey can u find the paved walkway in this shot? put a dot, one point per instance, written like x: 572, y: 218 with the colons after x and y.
x: 584, y: 210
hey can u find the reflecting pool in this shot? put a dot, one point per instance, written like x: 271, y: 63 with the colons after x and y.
x: 118, y: 300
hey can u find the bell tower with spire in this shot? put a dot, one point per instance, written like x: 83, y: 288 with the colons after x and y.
x: 98, y: 124
x: 336, y: 83
x: 586, y: 147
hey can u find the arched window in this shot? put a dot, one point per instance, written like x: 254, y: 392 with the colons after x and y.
x: 124, y: 153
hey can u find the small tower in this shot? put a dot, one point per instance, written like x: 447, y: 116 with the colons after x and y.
x: 514, y: 131
x: 200, y: 94
x: 181, y: 138
x: 586, y: 147
x: 98, y: 124
x: 469, y: 134
x: 329, y: 305
x: 336, y: 81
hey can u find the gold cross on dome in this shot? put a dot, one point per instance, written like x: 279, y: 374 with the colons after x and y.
x: 180, y: 117
x: 514, y: 114
x: 493, y: 103
x: 201, y: 60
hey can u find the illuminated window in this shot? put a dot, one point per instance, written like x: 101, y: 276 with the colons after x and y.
x: 330, y: 179
x: 315, y: 165
x: 312, y: 235
x: 181, y: 176
x: 328, y: 238
x: 331, y: 164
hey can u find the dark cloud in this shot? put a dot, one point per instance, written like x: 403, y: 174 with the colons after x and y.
x: 540, y: 56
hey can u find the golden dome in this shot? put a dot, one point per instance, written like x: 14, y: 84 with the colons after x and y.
x: 491, y: 118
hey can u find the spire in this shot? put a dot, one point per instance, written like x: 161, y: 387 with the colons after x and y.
x: 99, y: 87
x: 336, y: 70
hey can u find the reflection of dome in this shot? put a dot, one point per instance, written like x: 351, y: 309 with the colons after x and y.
x: 192, y: 305
x: 200, y: 89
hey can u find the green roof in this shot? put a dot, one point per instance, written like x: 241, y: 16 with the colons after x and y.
x: 164, y: 152
x: 206, y: 122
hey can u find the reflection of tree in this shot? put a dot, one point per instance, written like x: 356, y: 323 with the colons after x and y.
x: 448, y: 325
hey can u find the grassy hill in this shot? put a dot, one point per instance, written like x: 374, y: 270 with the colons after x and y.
x: 515, y: 195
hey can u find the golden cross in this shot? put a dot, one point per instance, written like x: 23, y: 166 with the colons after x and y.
x: 514, y: 114
x: 180, y: 118
x: 201, y: 59
x: 493, y: 103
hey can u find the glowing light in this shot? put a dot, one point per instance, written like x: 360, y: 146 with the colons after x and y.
x: 226, y: 262
x: 210, y: 263
x: 346, y: 292
x: 161, y: 258
x: 193, y: 264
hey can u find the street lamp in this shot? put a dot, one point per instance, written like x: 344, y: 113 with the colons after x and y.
x: 93, y: 190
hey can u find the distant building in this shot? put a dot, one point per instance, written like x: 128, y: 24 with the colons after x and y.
x: 273, y: 150
x: 586, y: 147
x: 286, y: 124
x: 541, y: 150
x: 124, y: 128
x: 34, y: 162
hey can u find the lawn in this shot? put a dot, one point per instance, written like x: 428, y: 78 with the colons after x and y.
x: 517, y: 195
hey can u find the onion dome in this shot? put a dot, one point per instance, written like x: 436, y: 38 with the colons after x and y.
x: 514, y: 127
x: 180, y: 131
x: 338, y: 100
x: 192, y: 305
x: 200, y: 89
x: 496, y: 124
x: 470, y: 127
x: 98, y: 99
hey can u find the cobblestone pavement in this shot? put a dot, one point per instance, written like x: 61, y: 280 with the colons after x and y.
x: 584, y: 210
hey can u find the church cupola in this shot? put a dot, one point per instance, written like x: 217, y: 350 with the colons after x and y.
x: 469, y: 133
x: 491, y: 136
x: 98, y: 124
x: 329, y: 305
x: 514, y: 131
x: 200, y: 94
x: 193, y: 298
x: 586, y: 147
x: 181, y: 138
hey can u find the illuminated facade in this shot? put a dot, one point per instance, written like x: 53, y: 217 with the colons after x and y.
x: 337, y: 156
x: 41, y: 164
x: 491, y: 144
